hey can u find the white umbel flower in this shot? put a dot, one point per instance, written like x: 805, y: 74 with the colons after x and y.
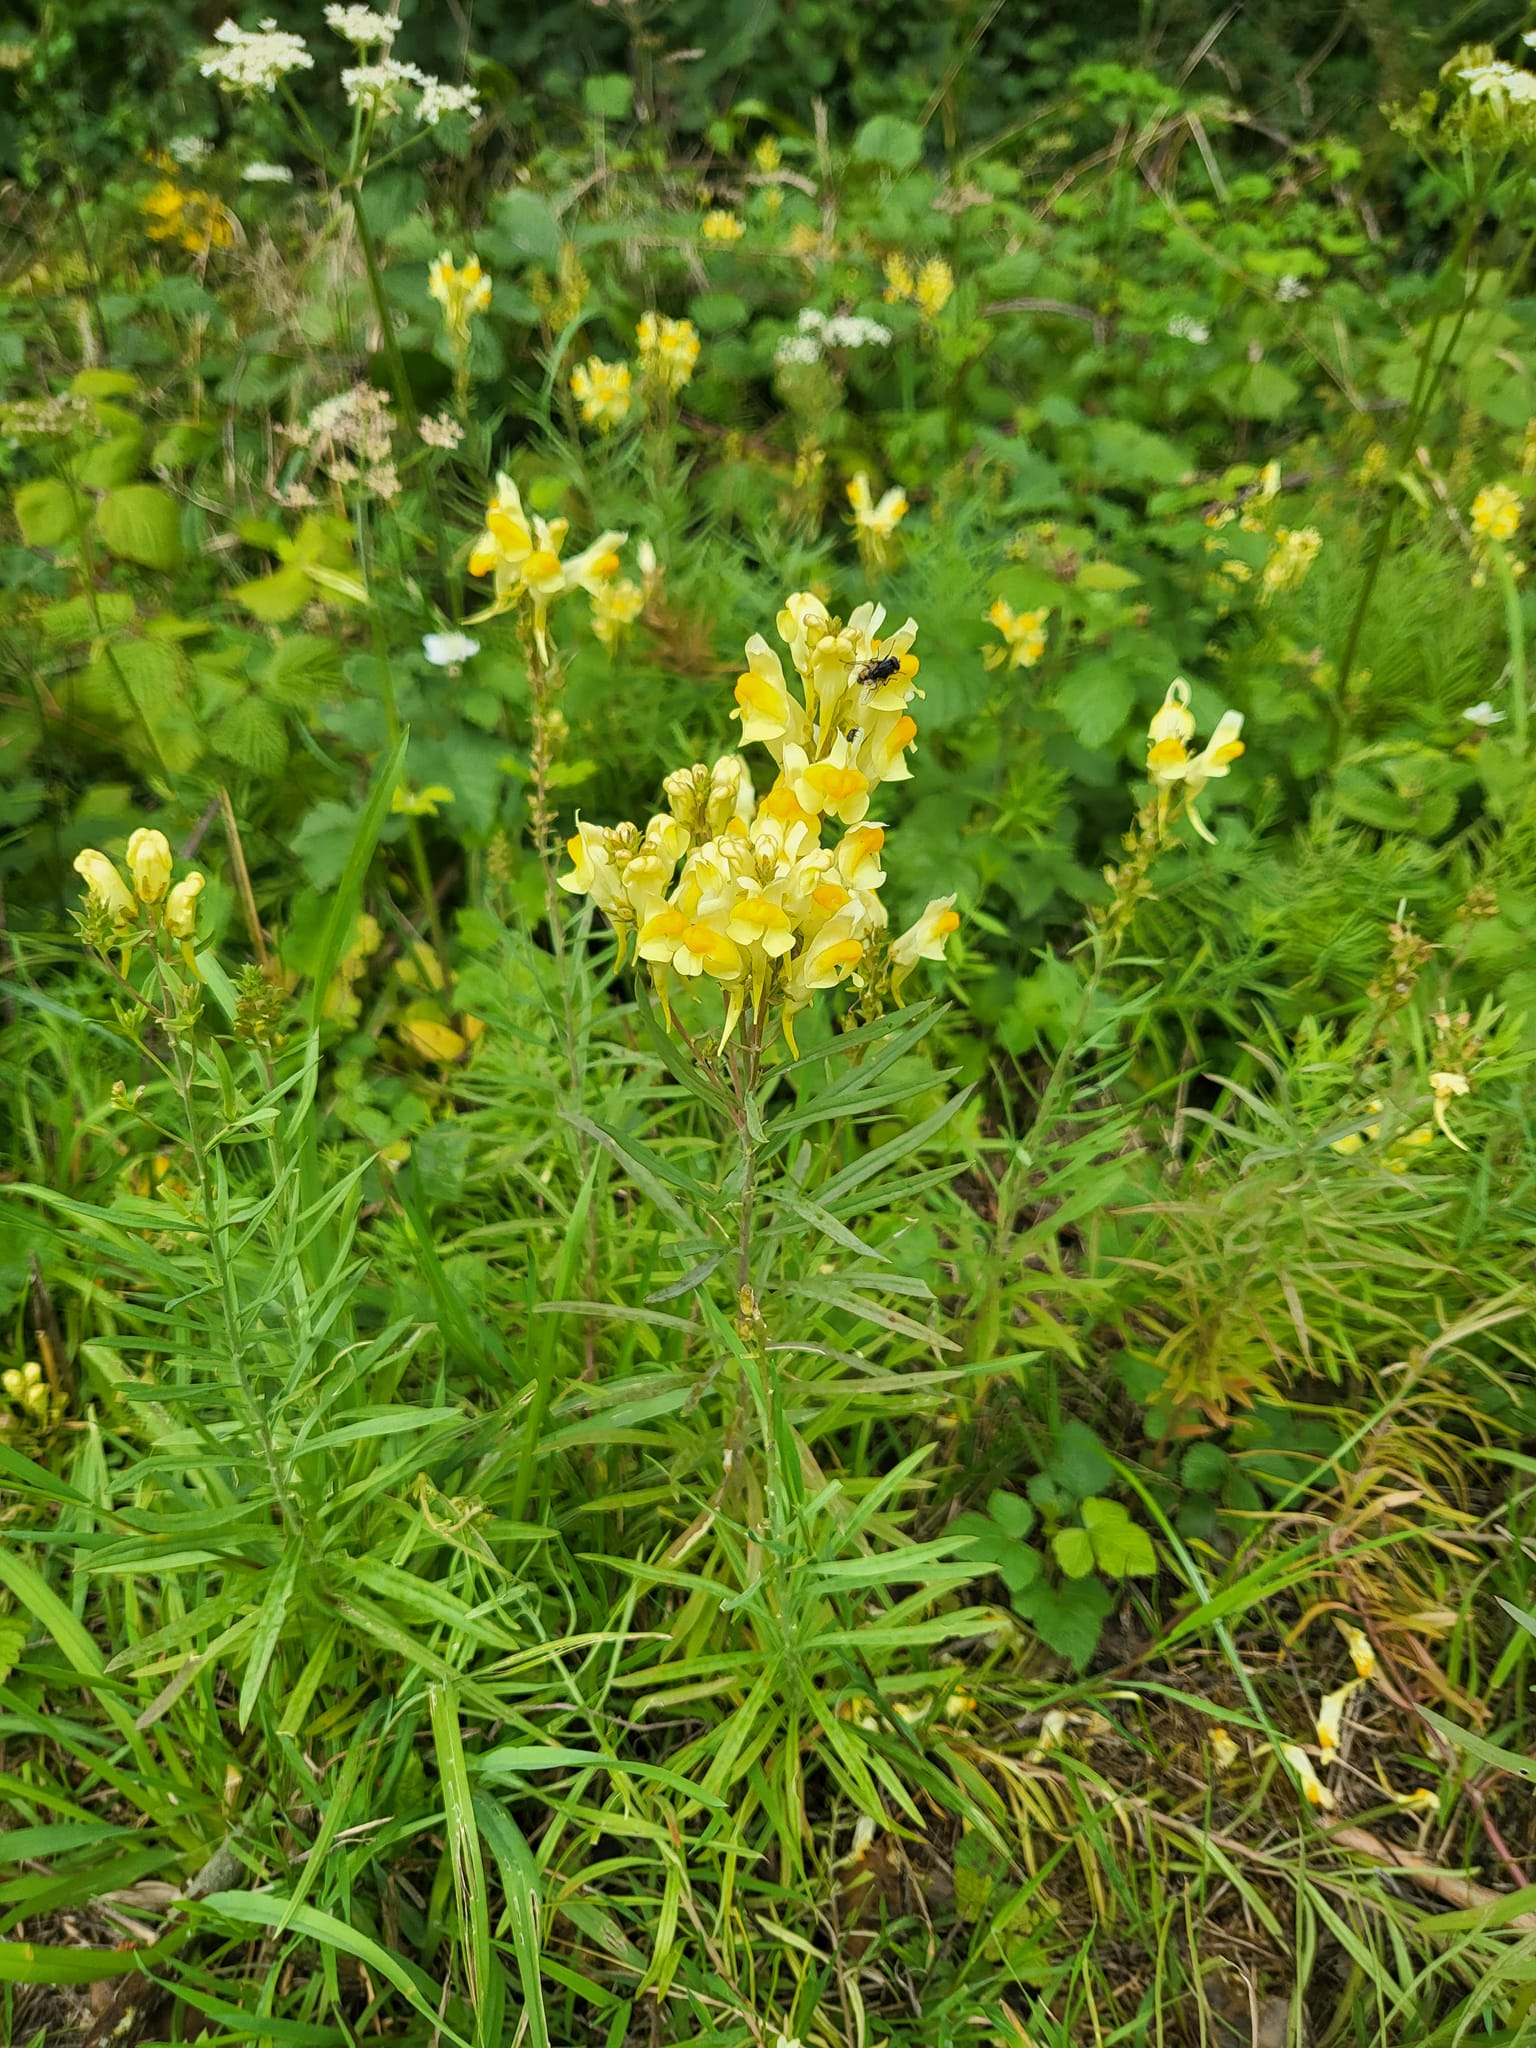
x: 247, y: 60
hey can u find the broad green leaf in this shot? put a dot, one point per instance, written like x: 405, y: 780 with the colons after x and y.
x: 1067, y: 1621
x: 275, y: 598
x: 112, y: 462
x: 1014, y: 1516
x: 1073, y: 1550
x: 48, y: 512
x: 888, y: 140
x: 1120, y: 1549
x: 141, y: 523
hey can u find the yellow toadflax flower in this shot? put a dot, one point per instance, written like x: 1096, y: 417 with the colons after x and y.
x: 521, y: 554
x: 1361, y: 1653
x: 1446, y: 1088
x: 188, y: 215
x: 1497, y: 512
x: 1224, y: 1751
x: 105, y: 886
x: 722, y: 226
x: 1313, y: 1790
x: 744, y: 894
x: 875, y: 523
x: 1023, y: 633
x: 462, y: 294
x: 1169, y: 761
x: 603, y: 391
x: 923, y: 941
x: 668, y: 350
x: 1290, y: 558
x: 1330, y: 1718
x: 934, y: 287
x: 149, y: 862
x: 181, y: 906
x: 899, y: 281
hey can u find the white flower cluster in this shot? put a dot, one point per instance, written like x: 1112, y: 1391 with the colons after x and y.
x: 267, y: 174
x: 253, y: 60
x: 354, y: 424
x: 1289, y: 289
x: 380, y: 87
x: 816, y: 333
x: 1501, y: 83
x: 361, y: 25
x: 440, y: 430
x: 1185, y: 327
x: 188, y: 151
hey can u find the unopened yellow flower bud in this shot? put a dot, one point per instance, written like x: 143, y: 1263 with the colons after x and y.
x: 105, y: 885
x: 181, y: 906
x: 149, y: 862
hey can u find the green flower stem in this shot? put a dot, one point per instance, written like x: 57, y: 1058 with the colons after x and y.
x: 1514, y: 620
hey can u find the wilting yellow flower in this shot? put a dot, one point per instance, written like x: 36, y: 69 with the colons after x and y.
x: 181, y: 906
x: 899, y: 281
x: 875, y: 522
x: 1497, y: 512
x: 1224, y: 1751
x: 1313, y: 1790
x: 1330, y: 1718
x: 1361, y: 1653
x: 1024, y: 633
x: 462, y: 294
x: 934, y: 287
x: 668, y: 350
x: 1291, y: 556
x: 603, y: 391
x: 721, y: 226
x: 149, y: 862
x: 105, y: 886
x: 924, y: 940
x: 1445, y: 1088
x: 1169, y: 761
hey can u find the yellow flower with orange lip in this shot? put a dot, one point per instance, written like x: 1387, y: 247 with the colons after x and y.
x: 1169, y: 760
x: 876, y: 521
x: 522, y: 556
x: 833, y: 784
x: 463, y: 294
x: 924, y: 940
x: 669, y: 349
x: 1023, y: 634
x: 604, y: 391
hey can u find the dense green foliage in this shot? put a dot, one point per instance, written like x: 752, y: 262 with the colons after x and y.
x: 536, y: 1506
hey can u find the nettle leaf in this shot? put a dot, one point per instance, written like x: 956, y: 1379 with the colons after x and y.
x: 300, y: 668
x: 1204, y: 1468
x: 134, y: 678
x: 275, y: 598
x: 112, y: 462
x: 887, y: 139
x: 48, y: 512
x: 1120, y: 1549
x: 1073, y: 1550
x: 1015, y: 1517
x: 1095, y: 700
x: 141, y: 523
x: 253, y: 734
x: 74, y: 619
x: 1068, y: 1619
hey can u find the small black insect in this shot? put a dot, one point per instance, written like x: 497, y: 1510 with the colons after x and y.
x: 881, y: 671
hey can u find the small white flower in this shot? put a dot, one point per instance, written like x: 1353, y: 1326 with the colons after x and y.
x: 797, y: 348
x: 267, y: 174
x: 440, y: 430
x: 1483, y: 714
x: 380, y: 85
x: 361, y: 25
x: 1290, y: 289
x: 1499, y: 82
x: 188, y: 150
x: 811, y: 322
x: 248, y: 60
x: 448, y: 650
x: 849, y: 330
x: 438, y: 99
x: 1185, y: 327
